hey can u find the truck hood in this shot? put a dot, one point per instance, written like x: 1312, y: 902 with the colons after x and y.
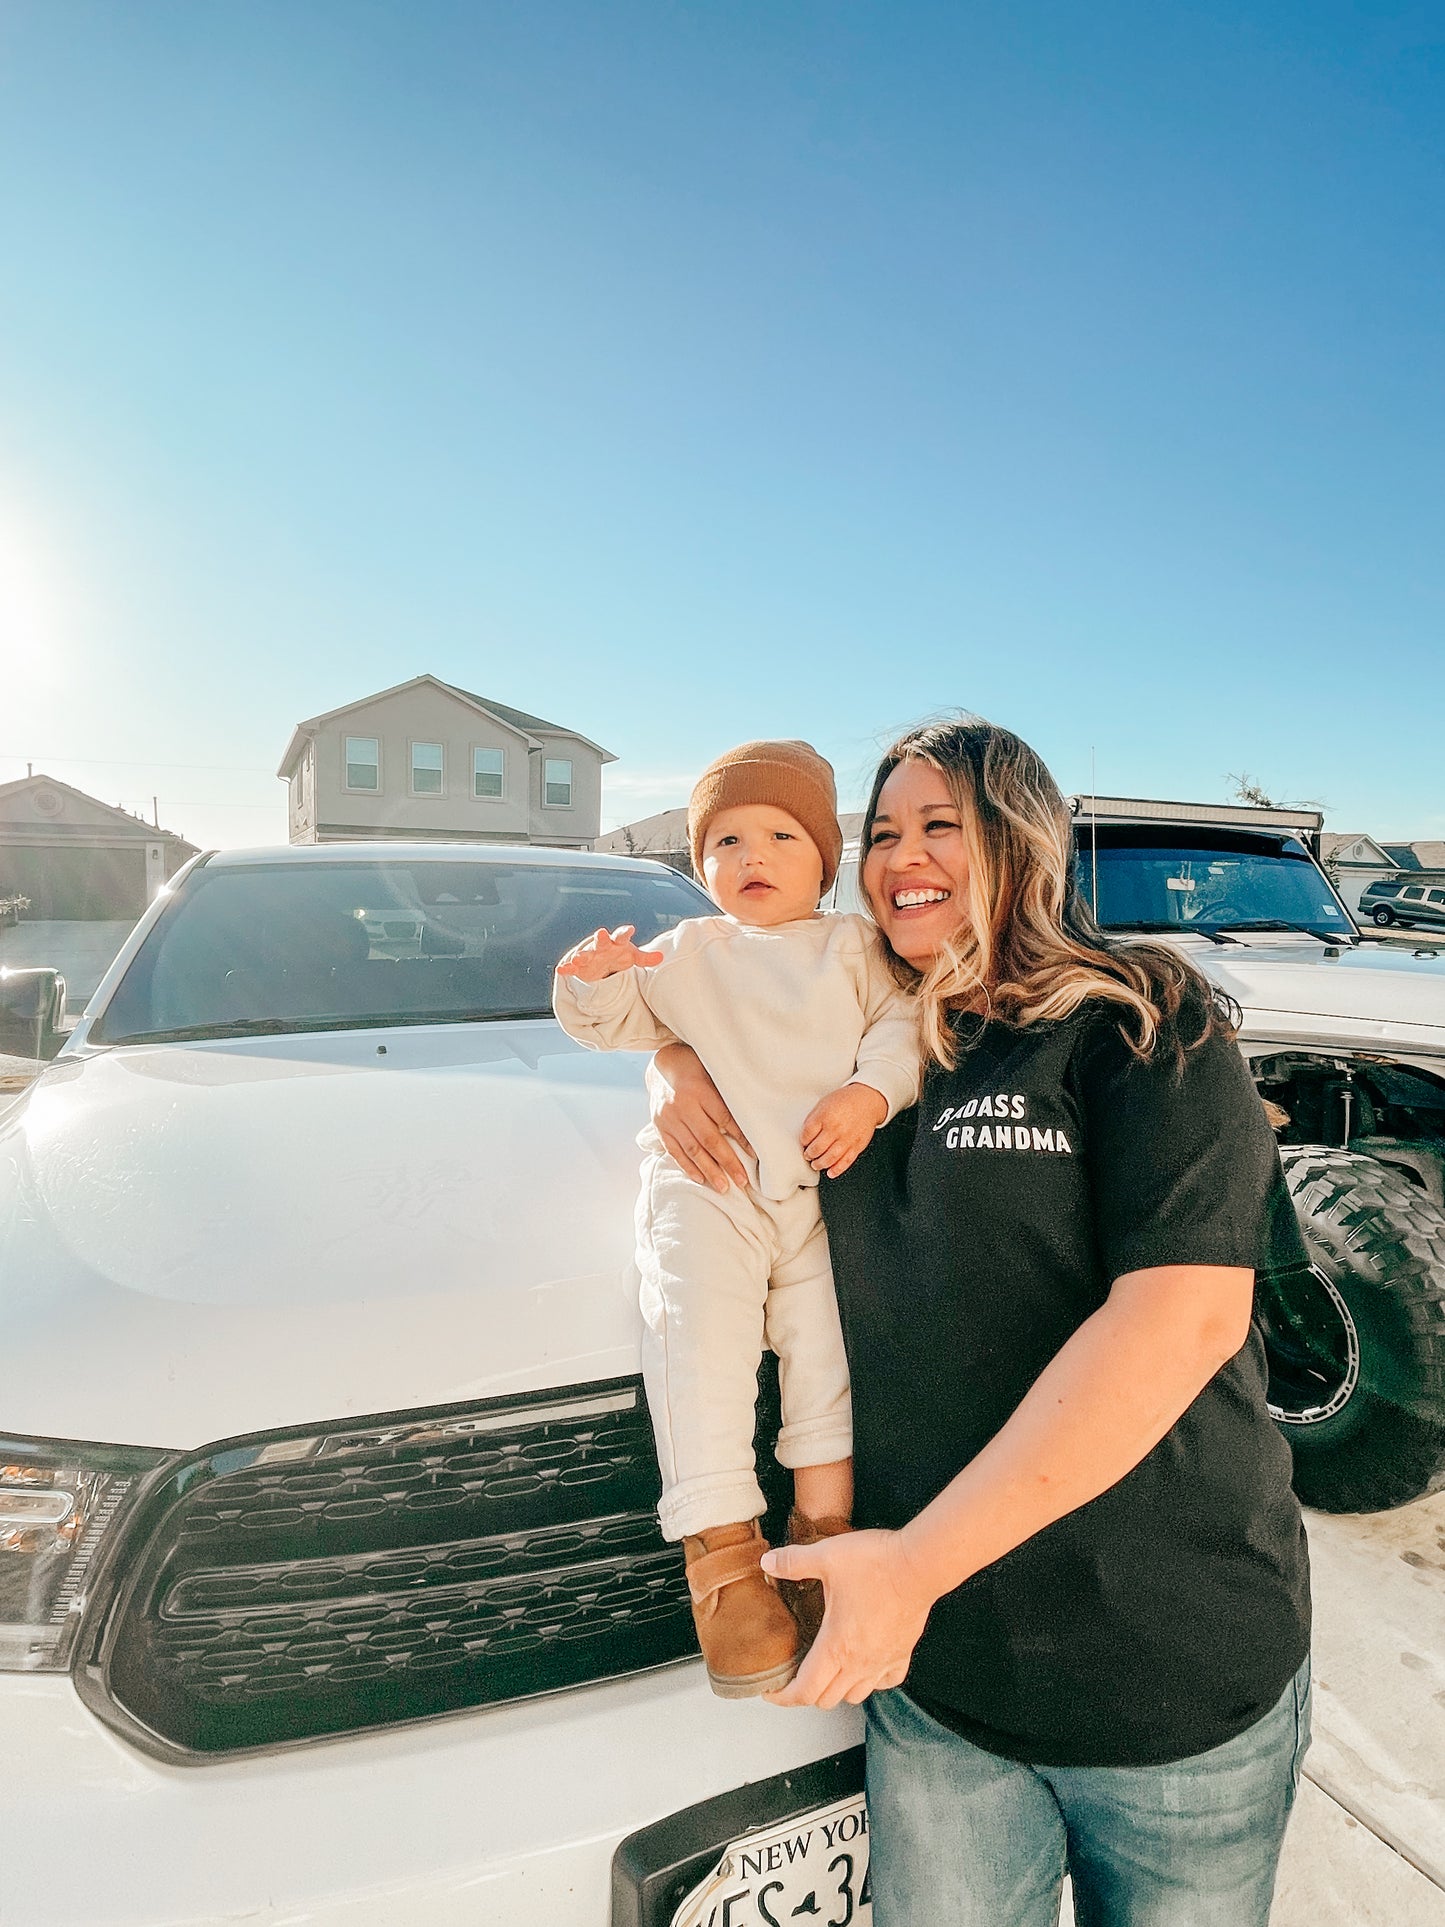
x: 201, y: 1240
x: 1380, y: 984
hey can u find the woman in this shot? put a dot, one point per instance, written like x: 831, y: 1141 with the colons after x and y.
x: 1078, y: 1602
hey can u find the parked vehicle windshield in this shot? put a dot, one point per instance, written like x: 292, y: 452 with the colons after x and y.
x: 1238, y: 883
x: 269, y: 948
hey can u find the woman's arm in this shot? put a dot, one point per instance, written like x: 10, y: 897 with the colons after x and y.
x: 1100, y: 1406
x: 692, y: 1120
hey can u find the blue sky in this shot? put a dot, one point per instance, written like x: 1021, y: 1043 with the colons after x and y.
x: 695, y: 372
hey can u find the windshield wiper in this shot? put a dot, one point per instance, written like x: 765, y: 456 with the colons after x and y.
x: 1170, y: 930
x: 1303, y: 929
x: 517, y: 1016
x: 301, y: 1026
x: 232, y: 1027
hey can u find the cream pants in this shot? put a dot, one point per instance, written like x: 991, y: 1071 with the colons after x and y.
x: 722, y: 1274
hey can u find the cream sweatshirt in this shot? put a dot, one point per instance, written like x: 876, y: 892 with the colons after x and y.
x: 779, y: 1017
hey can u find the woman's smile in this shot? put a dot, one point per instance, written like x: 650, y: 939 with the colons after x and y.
x: 915, y: 870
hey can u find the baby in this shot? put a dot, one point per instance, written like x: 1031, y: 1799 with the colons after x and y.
x: 812, y: 1046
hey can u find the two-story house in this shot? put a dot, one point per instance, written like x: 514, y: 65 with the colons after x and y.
x: 428, y: 761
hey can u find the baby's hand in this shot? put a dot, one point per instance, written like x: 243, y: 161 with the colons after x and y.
x: 604, y: 954
x: 839, y: 1126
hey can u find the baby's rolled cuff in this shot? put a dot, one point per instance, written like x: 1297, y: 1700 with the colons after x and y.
x: 897, y: 1086
x: 696, y: 1505
x: 606, y: 995
x: 818, y: 1441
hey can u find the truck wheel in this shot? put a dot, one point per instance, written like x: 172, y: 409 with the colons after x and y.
x: 1382, y: 916
x: 1356, y: 1342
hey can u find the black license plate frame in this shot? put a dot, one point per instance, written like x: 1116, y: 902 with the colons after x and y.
x: 655, y: 1868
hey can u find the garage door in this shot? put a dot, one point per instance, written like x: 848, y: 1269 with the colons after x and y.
x: 89, y: 885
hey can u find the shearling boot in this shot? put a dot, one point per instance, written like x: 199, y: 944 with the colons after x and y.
x: 805, y: 1596
x: 747, y: 1634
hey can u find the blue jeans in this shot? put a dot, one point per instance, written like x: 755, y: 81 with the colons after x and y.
x: 962, y: 1838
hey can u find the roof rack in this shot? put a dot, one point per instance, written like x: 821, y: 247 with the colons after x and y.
x: 1240, y: 816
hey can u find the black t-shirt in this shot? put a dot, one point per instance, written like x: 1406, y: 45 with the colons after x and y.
x: 970, y: 1241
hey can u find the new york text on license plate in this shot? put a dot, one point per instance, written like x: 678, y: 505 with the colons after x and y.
x: 809, y: 1871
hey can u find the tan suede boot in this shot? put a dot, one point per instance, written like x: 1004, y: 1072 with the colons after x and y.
x: 805, y: 1596
x: 747, y: 1634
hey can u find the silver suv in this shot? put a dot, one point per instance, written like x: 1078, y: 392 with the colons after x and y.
x: 1404, y: 901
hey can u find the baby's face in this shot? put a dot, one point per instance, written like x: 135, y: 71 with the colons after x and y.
x: 761, y: 866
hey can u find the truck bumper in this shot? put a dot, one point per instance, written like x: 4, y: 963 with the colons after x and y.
x: 504, y: 1814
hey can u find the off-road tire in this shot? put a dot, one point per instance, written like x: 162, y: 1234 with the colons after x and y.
x: 1357, y: 1343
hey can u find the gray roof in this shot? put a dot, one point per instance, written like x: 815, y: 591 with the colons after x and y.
x: 1423, y: 855
x: 1403, y: 854
x: 518, y: 718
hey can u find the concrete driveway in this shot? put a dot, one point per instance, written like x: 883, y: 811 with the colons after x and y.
x: 1368, y: 1841
x: 16, y: 1076
x: 81, y: 952
x: 1366, y: 1846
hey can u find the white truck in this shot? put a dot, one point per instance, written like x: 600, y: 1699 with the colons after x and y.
x: 1345, y: 1035
x: 331, y: 1590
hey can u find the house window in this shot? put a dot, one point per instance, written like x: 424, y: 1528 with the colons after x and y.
x: 487, y: 771
x: 557, y: 782
x: 426, y: 769
x: 363, y: 763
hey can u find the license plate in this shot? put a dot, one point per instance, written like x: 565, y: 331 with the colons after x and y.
x: 809, y: 1871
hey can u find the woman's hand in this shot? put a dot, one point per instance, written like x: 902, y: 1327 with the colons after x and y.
x: 877, y: 1607
x: 695, y: 1125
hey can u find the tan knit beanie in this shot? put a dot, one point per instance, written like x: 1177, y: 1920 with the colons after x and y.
x: 791, y: 776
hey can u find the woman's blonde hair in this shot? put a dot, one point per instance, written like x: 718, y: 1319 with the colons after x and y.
x: 1027, y: 949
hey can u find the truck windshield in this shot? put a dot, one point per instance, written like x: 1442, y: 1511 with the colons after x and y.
x: 1241, y: 883
x: 269, y: 948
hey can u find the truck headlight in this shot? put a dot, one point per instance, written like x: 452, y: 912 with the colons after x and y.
x: 58, y: 1502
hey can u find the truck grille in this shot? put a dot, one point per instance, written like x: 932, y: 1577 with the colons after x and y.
x: 296, y: 1584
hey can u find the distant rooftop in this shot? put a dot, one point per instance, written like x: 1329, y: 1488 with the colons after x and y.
x: 518, y: 718
x: 666, y: 831
x: 1420, y: 855
x: 51, y: 806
